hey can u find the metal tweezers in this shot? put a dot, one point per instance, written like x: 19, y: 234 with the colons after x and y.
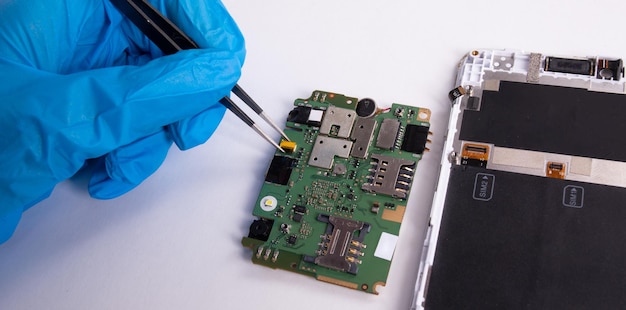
x: 170, y: 39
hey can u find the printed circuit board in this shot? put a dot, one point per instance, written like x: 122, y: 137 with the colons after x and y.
x: 331, y: 206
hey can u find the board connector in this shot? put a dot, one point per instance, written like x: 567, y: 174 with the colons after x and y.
x: 475, y: 154
x: 555, y: 170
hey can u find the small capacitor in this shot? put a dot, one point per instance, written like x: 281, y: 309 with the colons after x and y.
x: 288, y: 146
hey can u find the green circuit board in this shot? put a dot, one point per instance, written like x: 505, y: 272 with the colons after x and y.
x: 331, y: 206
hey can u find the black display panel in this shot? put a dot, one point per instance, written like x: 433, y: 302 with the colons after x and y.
x: 550, y: 119
x: 512, y: 241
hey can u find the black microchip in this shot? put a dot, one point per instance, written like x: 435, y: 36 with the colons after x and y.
x: 299, y: 209
x: 292, y: 239
x: 280, y: 170
x: 415, y: 138
x: 297, y: 217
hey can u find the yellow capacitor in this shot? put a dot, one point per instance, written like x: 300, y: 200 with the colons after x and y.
x: 288, y: 146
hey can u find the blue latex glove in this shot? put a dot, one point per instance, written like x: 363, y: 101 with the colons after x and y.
x: 80, y: 81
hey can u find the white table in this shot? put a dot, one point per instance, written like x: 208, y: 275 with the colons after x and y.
x: 174, y: 242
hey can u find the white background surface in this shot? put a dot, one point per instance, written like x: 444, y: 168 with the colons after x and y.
x: 174, y: 242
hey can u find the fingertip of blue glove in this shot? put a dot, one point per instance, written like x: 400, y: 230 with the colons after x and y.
x: 191, y: 132
x: 102, y: 186
x: 126, y: 167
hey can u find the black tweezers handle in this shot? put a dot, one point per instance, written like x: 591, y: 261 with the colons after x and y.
x: 170, y: 39
x: 160, y: 30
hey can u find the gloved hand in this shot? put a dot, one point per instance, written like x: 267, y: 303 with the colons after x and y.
x: 80, y: 81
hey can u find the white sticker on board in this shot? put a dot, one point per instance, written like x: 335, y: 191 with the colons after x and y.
x: 316, y: 115
x: 386, y: 246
